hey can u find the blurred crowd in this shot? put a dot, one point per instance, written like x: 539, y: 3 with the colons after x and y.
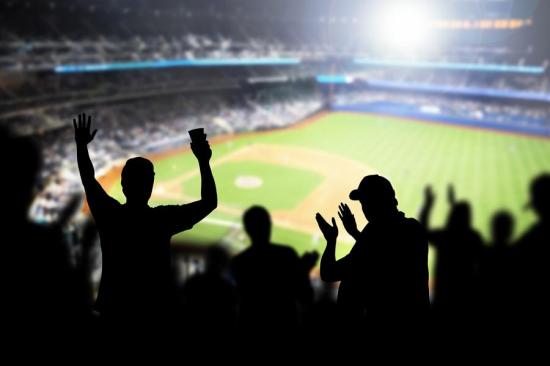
x: 509, y: 113
x: 145, y: 126
x: 155, y: 124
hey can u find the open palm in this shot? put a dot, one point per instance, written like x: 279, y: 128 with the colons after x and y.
x: 329, y: 231
x: 82, y: 133
x: 348, y: 220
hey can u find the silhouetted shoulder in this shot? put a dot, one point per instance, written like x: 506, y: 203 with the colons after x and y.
x: 413, y: 226
x: 100, y: 203
x: 535, y: 239
x: 415, y: 234
x: 175, y: 218
x: 284, y: 250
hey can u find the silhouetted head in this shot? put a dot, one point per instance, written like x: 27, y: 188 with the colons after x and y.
x: 460, y: 216
x: 217, y: 260
x: 502, y: 228
x: 22, y: 161
x: 138, y: 176
x: 377, y: 197
x: 257, y: 223
x: 540, y: 196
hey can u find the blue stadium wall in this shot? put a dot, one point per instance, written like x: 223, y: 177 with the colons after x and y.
x: 516, y: 125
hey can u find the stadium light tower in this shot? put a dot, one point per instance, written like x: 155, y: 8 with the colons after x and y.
x: 404, y: 25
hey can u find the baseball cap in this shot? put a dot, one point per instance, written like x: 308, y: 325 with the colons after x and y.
x: 373, y: 185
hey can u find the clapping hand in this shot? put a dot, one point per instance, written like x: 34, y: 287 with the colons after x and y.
x: 348, y: 220
x: 330, y: 232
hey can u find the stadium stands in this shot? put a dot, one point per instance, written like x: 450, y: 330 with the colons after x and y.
x: 159, y: 124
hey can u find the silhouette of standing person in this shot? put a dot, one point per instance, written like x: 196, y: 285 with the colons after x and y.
x: 209, y: 298
x: 40, y: 292
x: 136, y: 284
x: 270, y: 279
x: 459, y: 248
x: 533, y: 250
x: 497, y: 268
x: 384, y: 278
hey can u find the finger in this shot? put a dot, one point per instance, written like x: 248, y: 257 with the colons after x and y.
x: 320, y: 218
x: 89, y: 121
x: 346, y: 208
x: 319, y: 221
x: 93, y: 134
x: 333, y: 222
x: 342, y: 208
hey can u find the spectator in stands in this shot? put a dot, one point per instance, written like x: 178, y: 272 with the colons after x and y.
x: 533, y: 250
x: 459, y: 248
x: 40, y: 292
x: 136, y: 286
x: 209, y: 298
x: 497, y: 269
x: 271, y: 280
x: 384, y: 278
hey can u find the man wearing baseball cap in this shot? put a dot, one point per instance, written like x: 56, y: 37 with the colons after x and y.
x: 384, y: 278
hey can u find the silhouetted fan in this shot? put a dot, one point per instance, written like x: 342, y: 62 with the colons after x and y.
x: 496, y: 293
x: 384, y: 278
x: 533, y: 251
x: 209, y: 298
x: 271, y: 279
x: 136, y: 283
x: 41, y: 290
x: 459, y: 249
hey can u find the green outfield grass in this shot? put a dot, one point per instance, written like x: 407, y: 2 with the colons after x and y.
x: 490, y: 169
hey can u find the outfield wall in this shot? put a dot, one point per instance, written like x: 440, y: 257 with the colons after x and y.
x: 534, y: 126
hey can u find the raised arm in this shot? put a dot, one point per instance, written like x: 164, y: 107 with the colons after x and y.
x: 209, y: 196
x: 434, y: 236
x: 331, y: 269
x: 426, y: 210
x: 83, y: 137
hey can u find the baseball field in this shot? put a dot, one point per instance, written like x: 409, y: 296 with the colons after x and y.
x: 311, y: 167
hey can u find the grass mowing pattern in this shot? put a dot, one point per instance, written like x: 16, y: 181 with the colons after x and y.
x: 492, y: 170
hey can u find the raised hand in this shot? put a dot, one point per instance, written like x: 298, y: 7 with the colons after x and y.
x: 330, y: 232
x: 82, y: 133
x: 429, y: 196
x: 202, y: 151
x: 348, y: 220
x: 451, y: 194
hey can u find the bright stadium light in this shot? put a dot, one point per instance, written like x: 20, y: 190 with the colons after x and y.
x: 404, y: 25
